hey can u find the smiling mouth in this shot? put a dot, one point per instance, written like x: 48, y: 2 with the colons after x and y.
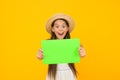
x: 60, y: 34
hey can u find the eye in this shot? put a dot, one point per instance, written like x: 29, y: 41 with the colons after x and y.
x: 63, y: 26
x: 56, y: 26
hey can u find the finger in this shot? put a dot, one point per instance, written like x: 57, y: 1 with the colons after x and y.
x: 40, y: 50
x: 38, y: 56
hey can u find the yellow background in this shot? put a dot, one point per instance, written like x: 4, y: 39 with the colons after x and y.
x: 22, y: 27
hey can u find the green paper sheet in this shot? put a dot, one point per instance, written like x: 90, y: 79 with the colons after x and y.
x: 60, y: 51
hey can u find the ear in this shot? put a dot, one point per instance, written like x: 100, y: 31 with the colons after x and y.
x: 52, y: 29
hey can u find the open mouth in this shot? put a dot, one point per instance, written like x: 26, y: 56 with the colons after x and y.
x: 60, y: 34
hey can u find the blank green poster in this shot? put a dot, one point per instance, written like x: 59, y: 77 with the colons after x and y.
x: 60, y: 51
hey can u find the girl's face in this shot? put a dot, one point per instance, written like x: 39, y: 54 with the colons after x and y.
x: 60, y: 29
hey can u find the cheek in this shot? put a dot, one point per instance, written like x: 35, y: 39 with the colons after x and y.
x: 66, y: 29
x: 53, y: 30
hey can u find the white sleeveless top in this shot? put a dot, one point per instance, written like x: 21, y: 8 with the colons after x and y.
x: 63, y: 73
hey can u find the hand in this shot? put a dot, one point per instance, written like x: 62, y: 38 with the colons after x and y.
x: 82, y: 51
x: 40, y: 54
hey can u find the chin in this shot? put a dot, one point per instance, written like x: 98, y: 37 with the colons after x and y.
x: 61, y: 38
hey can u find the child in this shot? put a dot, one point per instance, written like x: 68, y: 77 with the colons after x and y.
x: 60, y: 26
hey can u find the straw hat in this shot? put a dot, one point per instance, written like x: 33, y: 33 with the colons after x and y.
x: 57, y: 16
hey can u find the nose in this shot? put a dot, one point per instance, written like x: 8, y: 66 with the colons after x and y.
x: 60, y: 28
